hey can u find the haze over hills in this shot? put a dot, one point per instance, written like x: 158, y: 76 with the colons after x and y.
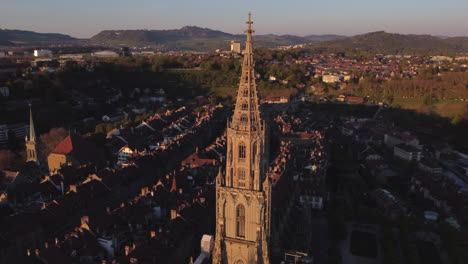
x: 196, y: 38
x: 14, y: 36
x: 391, y: 43
x: 192, y: 38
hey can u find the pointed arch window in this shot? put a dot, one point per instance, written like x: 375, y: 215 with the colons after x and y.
x: 242, y: 150
x: 254, y: 152
x: 245, y: 106
x: 245, y: 92
x: 241, y: 178
x: 240, y: 221
x: 244, y: 118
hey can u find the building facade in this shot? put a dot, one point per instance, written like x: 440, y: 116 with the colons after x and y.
x: 243, y: 191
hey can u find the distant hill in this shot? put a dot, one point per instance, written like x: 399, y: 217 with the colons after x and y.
x: 390, y: 43
x: 196, y: 38
x: 13, y: 36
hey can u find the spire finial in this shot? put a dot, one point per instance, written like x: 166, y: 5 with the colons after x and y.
x: 249, y: 25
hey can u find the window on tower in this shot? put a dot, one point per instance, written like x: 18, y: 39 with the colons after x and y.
x: 242, y: 151
x: 241, y: 178
x: 240, y: 221
x: 245, y: 106
x: 244, y: 119
x: 245, y: 92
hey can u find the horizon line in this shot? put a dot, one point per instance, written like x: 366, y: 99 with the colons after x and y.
x: 277, y: 34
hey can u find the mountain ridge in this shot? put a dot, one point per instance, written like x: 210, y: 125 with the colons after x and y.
x: 193, y: 38
x: 16, y: 36
x: 395, y: 43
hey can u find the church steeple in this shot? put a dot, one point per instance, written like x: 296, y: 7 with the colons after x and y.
x: 247, y: 113
x: 32, y: 132
x: 31, y: 144
x: 243, y: 192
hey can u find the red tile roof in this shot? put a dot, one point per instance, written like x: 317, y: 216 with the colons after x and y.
x: 79, y: 148
x: 66, y: 146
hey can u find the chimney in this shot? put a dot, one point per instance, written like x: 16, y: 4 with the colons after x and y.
x: 127, y: 250
x: 173, y: 214
x: 152, y: 234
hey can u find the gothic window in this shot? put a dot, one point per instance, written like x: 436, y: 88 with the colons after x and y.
x: 241, y: 178
x: 242, y: 151
x: 240, y: 221
x: 254, y: 152
x: 231, y: 176
x: 245, y: 92
x: 244, y: 118
x: 245, y: 106
x: 230, y: 152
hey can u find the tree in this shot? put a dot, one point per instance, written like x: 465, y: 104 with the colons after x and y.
x: 6, y: 159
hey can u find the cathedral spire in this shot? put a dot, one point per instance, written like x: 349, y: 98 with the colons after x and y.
x: 31, y: 148
x: 247, y: 113
x: 32, y: 132
x: 242, y: 192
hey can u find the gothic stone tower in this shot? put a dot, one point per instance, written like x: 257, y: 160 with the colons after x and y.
x: 31, y: 144
x: 243, y: 192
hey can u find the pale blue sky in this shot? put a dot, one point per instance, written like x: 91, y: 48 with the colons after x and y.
x: 84, y: 18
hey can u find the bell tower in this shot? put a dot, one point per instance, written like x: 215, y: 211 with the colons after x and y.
x: 31, y: 144
x: 243, y: 192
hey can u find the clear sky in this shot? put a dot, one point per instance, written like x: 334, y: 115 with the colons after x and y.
x: 84, y: 18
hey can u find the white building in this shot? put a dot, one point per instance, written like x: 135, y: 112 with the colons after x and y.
x: 114, y: 117
x: 124, y: 153
x: 235, y: 47
x: 330, y: 78
x: 3, y: 135
x: 105, y: 54
x: 5, y: 91
x: 407, y: 152
x: 42, y: 53
x: 397, y: 138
